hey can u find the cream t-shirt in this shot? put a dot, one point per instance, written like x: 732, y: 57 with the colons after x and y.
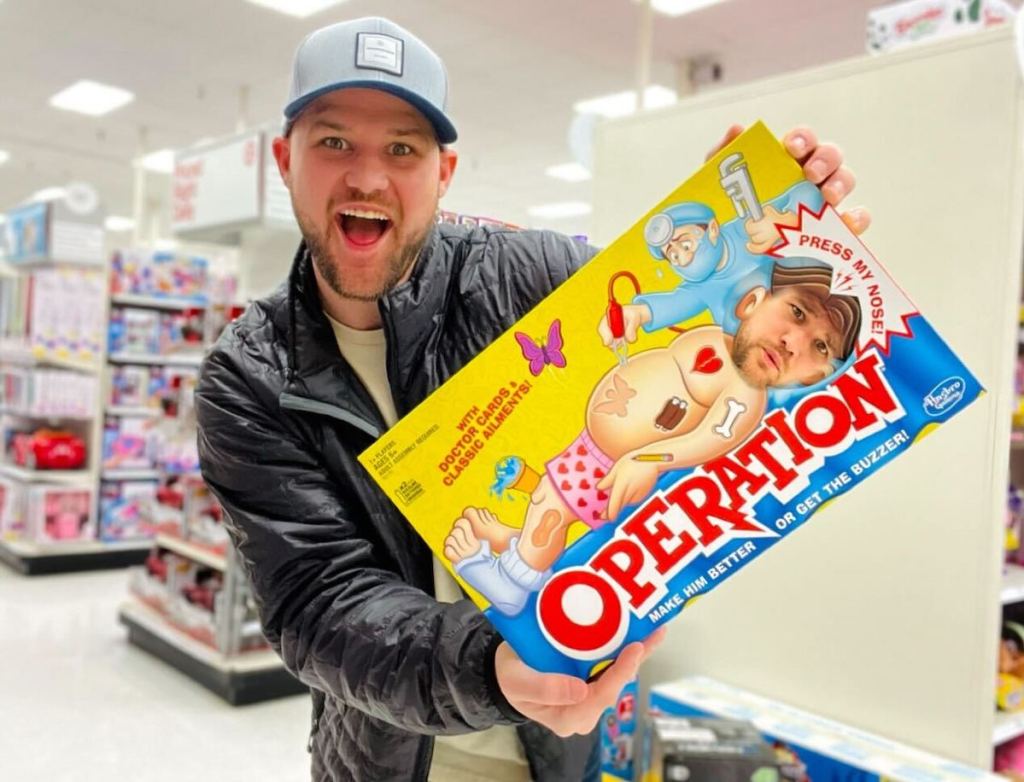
x: 456, y: 758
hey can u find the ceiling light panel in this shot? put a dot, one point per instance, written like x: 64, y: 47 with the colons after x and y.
x: 568, y: 172
x: 297, y: 8
x: 91, y: 98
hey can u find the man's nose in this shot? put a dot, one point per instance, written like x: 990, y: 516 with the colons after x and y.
x: 367, y: 174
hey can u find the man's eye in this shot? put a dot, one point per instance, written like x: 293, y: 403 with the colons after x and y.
x: 333, y: 142
x: 821, y: 347
x: 797, y: 312
x: 401, y: 150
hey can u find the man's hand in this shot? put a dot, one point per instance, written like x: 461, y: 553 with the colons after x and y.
x: 628, y: 482
x: 822, y: 164
x: 633, y: 317
x: 566, y: 704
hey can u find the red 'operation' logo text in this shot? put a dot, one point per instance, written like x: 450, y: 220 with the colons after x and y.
x: 582, y: 610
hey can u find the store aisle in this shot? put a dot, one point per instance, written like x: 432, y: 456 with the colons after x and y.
x: 78, y: 703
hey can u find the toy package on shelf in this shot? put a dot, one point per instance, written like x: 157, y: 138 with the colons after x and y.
x: 707, y: 749
x: 48, y: 393
x: 66, y: 313
x: 687, y: 399
x: 143, y: 272
x: 45, y: 449
x: 60, y: 513
x: 12, y: 509
x: 128, y: 443
x: 806, y: 746
x: 124, y: 510
x: 618, y: 731
x: 459, y: 219
x: 150, y: 333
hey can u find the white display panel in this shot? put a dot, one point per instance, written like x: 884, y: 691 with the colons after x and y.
x: 217, y: 185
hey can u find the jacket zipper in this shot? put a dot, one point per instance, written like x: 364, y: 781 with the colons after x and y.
x: 304, y: 405
x: 428, y: 756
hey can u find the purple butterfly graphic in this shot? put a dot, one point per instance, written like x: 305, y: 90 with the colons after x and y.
x: 548, y: 353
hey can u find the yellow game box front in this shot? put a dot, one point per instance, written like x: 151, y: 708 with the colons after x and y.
x: 691, y: 396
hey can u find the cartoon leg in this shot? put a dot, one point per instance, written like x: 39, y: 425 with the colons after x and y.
x: 503, y: 580
x: 546, y: 527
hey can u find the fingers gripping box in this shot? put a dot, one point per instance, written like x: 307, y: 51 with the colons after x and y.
x: 685, y: 401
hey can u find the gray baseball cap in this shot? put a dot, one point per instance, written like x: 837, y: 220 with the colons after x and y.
x: 376, y: 54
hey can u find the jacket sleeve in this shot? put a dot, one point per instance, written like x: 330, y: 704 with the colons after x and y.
x: 340, y: 621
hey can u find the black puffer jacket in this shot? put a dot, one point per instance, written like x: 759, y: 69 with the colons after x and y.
x: 343, y: 582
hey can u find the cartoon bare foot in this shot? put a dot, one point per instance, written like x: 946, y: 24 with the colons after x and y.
x: 486, y: 526
x: 461, y: 542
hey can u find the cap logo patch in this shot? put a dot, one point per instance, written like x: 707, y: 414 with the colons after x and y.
x: 379, y: 52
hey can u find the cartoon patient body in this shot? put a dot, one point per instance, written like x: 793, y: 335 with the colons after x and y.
x: 657, y: 412
x: 663, y: 409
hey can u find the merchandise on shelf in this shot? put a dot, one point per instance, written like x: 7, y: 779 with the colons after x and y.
x: 53, y: 313
x: 192, y: 597
x: 128, y: 443
x: 60, y: 513
x: 618, y: 734
x: 704, y: 749
x: 46, y: 449
x: 458, y: 219
x: 48, y: 393
x: 142, y: 272
x: 1009, y: 759
x: 1014, y: 521
x: 12, y: 509
x: 145, y: 332
x: 124, y: 510
x: 807, y: 747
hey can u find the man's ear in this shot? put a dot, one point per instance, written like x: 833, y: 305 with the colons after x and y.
x: 751, y: 301
x: 283, y: 155
x: 449, y: 159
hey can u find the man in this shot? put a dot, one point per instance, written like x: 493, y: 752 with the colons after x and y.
x: 380, y: 308
x: 665, y: 409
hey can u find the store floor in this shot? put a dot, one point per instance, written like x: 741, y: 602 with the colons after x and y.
x: 78, y: 703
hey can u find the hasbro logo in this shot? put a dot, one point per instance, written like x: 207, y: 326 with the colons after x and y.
x: 945, y: 396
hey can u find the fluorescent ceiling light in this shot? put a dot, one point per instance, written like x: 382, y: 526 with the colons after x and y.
x: 4, y: 156
x: 297, y: 8
x: 92, y: 98
x: 620, y: 104
x: 680, y: 7
x: 118, y: 223
x: 570, y: 172
x: 161, y: 161
x: 561, y: 209
x: 48, y: 194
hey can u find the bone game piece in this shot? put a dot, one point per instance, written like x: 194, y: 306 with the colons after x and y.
x: 736, y: 409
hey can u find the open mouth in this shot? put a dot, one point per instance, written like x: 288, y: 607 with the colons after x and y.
x: 363, y: 228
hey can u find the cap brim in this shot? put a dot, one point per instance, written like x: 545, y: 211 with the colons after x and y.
x: 442, y: 125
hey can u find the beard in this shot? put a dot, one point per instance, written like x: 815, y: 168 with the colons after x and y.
x: 742, y: 350
x: 331, y: 272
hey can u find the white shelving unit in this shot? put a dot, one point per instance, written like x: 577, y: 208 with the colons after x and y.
x: 157, y: 302
x: 70, y: 477
x: 193, y: 551
x: 171, y: 359
x: 823, y: 622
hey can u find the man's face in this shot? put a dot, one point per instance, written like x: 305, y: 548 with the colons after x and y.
x: 788, y: 337
x: 365, y: 174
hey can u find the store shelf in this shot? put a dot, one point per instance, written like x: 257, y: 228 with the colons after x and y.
x: 193, y: 551
x: 249, y: 677
x: 26, y: 358
x: 1008, y: 725
x: 142, y: 474
x: 181, y: 359
x: 134, y: 412
x: 49, y: 263
x: 156, y: 302
x: 42, y: 558
x: 42, y: 416
x: 72, y: 477
x: 1012, y: 590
